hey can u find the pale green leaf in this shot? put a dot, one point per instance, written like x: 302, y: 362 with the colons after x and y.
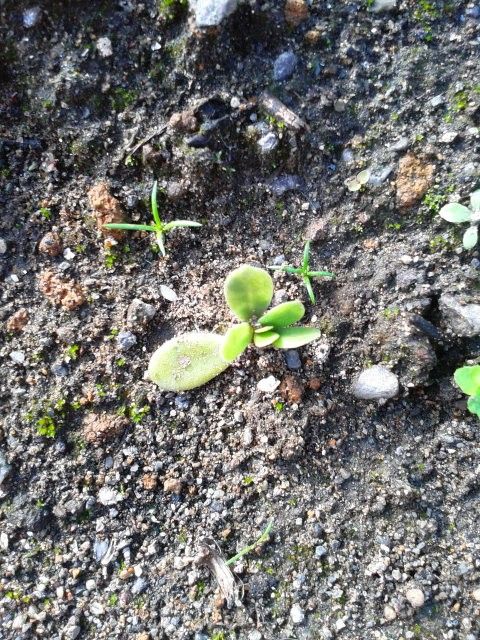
x: 468, y: 379
x: 293, y: 337
x: 263, y: 329
x: 180, y: 223
x: 364, y: 176
x: 248, y: 291
x: 264, y: 339
x: 236, y: 340
x: 187, y: 361
x: 470, y: 237
x: 283, y: 314
x: 473, y: 405
x: 455, y: 212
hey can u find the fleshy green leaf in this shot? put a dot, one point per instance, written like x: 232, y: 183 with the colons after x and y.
x: 470, y: 237
x: 264, y: 339
x: 468, y: 379
x: 364, y: 176
x: 475, y: 200
x: 236, y: 340
x: 473, y: 405
x: 263, y: 329
x: 283, y: 314
x: 293, y: 337
x: 248, y: 291
x: 187, y: 361
x: 455, y: 212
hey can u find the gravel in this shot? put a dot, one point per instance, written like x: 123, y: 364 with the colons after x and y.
x: 375, y: 383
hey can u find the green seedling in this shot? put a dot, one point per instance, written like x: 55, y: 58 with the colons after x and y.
x: 158, y: 227
x: 304, y: 272
x: 355, y: 183
x: 468, y: 379
x: 192, y: 359
x: 263, y: 538
x: 457, y: 214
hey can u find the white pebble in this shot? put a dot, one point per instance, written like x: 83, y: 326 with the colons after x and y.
x: 90, y: 585
x: 104, y: 46
x: 375, y: 383
x: 268, y: 385
x: 415, y: 597
x: 296, y: 614
x: 389, y: 613
x: 476, y: 595
x: 17, y: 356
x: 3, y: 246
x: 167, y: 293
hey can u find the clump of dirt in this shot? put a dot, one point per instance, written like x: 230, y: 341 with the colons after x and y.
x: 106, y: 208
x: 61, y: 291
x: 101, y: 428
x: 414, y: 178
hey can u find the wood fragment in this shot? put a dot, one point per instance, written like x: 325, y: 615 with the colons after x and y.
x: 275, y: 107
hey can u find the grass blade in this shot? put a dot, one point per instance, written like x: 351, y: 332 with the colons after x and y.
x: 308, y: 286
x: 306, y: 256
x: 155, y: 213
x: 251, y: 547
x: 180, y: 223
x: 321, y: 274
x: 129, y: 227
x: 161, y: 243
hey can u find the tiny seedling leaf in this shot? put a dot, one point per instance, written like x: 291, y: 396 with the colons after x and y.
x: 263, y: 329
x: 187, y: 361
x: 262, y: 340
x: 236, y: 340
x: 455, y: 212
x: 248, y: 291
x: 470, y: 237
x: 473, y: 405
x: 468, y: 379
x: 475, y: 200
x: 283, y: 314
x: 129, y: 227
x: 293, y: 337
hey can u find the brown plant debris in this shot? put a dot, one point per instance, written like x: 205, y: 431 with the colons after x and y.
x: 18, y: 320
x: 414, y: 178
x: 99, y: 428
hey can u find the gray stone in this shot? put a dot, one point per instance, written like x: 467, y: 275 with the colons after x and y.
x: 31, y: 17
x: 320, y: 551
x: 400, y: 145
x: 139, y: 586
x: 287, y: 182
x: 383, y: 5
x: 268, y: 142
x: 3, y: 246
x: 415, y: 597
x: 284, y: 66
x: 292, y: 359
x: 139, y: 313
x: 126, y: 340
x: 5, y: 468
x: 376, y: 179
x: 462, y: 319
x: 437, y: 100
x: 375, y: 383
x: 210, y: 13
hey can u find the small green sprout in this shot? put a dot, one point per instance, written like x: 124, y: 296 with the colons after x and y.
x: 457, y: 213
x: 356, y: 183
x: 192, y: 359
x: 159, y: 228
x: 46, y: 427
x: 72, y: 351
x: 468, y: 379
x: 112, y: 600
x: 304, y: 272
x: 263, y: 538
x: 45, y: 213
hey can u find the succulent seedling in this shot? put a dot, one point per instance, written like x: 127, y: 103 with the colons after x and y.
x: 457, y: 213
x: 304, y: 272
x: 157, y: 226
x: 192, y: 359
x: 355, y: 183
x: 468, y: 379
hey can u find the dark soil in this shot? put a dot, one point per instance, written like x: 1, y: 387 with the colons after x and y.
x: 369, y: 500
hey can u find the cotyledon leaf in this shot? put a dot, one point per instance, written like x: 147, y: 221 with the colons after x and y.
x: 470, y: 237
x: 455, y: 212
x: 468, y: 379
x: 236, y: 340
x: 293, y: 337
x: 473, y: 405
x: 187, y: 361
x: 283, y: 314
x: 248, y: 291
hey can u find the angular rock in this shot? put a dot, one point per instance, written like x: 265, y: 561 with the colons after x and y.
x: 18, y: 320
x: 375, y: 383
x: 210, y: 13
x: 462, y: 319
x: 383, y: 5
x: 139, y: 313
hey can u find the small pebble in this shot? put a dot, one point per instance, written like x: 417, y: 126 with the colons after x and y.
x: 375, y: 383
x: 3, y: 246
x: 296, y: 614
x: 126, y: 340
x: 284, y: 66
x: 168, y: 294
x: 268, y: 385
x: 31, y: 17
x: 389, y: 613
x: 17, y: 356
x: 415, y: 597
x: 104, y: 47
x: 268, y: 142
x: 292, y: 359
